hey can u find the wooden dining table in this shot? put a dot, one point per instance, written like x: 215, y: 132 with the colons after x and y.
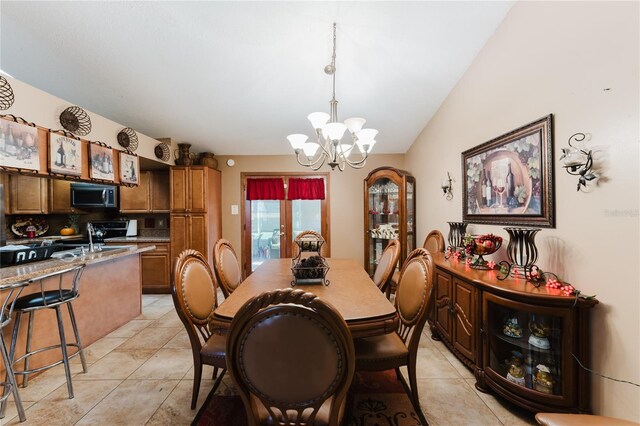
x: 351, y: 291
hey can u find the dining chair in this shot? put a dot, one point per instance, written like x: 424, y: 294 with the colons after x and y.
x: 324, y: 250
x: 291, y: 357
x: 387, y: 266
x: 434, y: 242
x: 226, y: 267
x: 194, y: 294
x: 395, y: 279
x: 400, y: 348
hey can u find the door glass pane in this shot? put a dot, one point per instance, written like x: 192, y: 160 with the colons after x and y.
x: 383, y: 219
x: 265, y: 231
x: 526, y: 348
x: 307, y: 216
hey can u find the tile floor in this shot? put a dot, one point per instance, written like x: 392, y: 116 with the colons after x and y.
x: 141, y: 374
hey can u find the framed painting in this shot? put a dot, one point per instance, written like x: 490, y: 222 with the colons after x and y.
x: 129, y: 169
x: 509, y: 180
x: 65, y: 155
x: 101, y: 162
x: 19, y: 145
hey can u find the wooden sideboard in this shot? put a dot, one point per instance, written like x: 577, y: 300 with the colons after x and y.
x: 472, y: 308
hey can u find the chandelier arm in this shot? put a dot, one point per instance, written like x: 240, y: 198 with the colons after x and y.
x: 360, y: 163
x: 309, y: 163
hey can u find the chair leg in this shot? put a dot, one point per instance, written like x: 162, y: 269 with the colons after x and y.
x: 215, y: 373
x: 11, y: 381
x: 413, y: 384
x: 197, y: 377
x: 32, y: 315
x: 65, y: 355
x: 77, y: 335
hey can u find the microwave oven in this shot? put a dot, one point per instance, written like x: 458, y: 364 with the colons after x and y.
x: 92, y: 195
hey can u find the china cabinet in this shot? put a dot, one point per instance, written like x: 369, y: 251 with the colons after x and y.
x: 519, y: 339
x: 389, y: 213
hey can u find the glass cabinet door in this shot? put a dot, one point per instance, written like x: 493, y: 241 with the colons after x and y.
x: 411, y: 243
x: 525, y: 347
x: 383, y: 218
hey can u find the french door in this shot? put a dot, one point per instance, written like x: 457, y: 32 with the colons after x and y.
x: 269, y: 226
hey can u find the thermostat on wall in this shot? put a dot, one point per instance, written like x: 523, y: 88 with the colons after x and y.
x: 230, y: 162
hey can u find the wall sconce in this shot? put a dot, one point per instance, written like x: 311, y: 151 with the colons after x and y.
x: 578, y: 162
x: 447, y: 187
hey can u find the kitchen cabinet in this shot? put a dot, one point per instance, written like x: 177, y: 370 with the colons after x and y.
x: 518, y: 338
x: 195, y: 210
x: 156, y: 269
x: 28, y: 195
x: 150, y: 196
x: 60, y: 197
x: 390, y: 213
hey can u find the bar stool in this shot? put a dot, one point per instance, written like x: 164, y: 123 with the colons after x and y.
x: 49, y: 299
x: 11, y: 293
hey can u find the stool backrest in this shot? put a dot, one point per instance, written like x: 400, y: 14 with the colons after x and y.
x: 8, y: 295
x: 65, y: 282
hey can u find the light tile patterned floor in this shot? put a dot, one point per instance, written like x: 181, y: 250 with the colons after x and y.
x: 141, y: 374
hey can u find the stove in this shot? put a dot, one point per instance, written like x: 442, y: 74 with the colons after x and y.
x: 103, y: 229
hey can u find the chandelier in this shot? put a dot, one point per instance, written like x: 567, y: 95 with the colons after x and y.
x: 329, y: 147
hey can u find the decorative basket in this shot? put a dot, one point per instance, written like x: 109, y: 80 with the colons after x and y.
x: 482, y: 245
x: 6, y: 94
x: 76, y: 120
x: 312, y: 269
x: 128, y: 139
x: 162, y: 151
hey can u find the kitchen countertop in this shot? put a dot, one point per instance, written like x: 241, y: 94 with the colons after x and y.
x: 14, y: 274
x: 138, y: 239
x: 41, y: 239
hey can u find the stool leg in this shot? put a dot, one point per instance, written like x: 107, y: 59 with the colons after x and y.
x: 11, y: 380
x: 65, y: 356
x: 77, y: 334
x: 14, y: 338
x: 32, y: 315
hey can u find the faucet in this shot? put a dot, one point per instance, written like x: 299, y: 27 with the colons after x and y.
x: 90, y: 231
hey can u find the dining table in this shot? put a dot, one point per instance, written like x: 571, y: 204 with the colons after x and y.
x: 365, y: 309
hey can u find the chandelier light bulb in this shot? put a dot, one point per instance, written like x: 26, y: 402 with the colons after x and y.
x: 367, y: 134
x: 297, y: 140
x: 318, y: 119
x: 310, y: 149
x: 354, y: 124
x: 335, y: 131
x: 365, y: 146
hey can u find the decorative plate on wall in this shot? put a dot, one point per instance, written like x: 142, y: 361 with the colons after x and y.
x: 6, y: 94
x: 162, y: 151
x: 128, y: 139
x: 76, y: 120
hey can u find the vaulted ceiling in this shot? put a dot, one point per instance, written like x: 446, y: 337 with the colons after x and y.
x: 238, y: 77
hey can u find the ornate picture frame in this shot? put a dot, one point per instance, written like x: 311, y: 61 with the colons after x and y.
x: 101, y: 159
x: 66, y: 155
x: 509, y: 180
x: 129, y: 168
x: 19, y: 144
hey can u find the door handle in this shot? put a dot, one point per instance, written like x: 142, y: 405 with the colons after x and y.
x: 282, y: 234
x: 104, y: 197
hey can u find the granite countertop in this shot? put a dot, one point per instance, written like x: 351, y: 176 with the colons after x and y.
x: 139, y: 239
x: 13, y: 274
x: 41, y: 239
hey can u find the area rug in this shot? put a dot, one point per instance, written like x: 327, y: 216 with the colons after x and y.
x: 378, y: 400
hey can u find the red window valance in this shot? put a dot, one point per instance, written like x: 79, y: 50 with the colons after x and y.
x: 306, y: 189
x: 265, y: 189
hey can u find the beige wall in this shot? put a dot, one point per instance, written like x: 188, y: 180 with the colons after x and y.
x: 557, y: 58
x: 44, y: 109
x: 346, y: 202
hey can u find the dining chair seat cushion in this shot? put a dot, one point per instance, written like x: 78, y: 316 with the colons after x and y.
x: 322, y: 418
x: 36, y: 300
x: 380, y: 352
x: 213, y: 351
x: 562, y: 419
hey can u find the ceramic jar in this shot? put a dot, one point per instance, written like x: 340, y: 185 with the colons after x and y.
x: 183, y: 156
x: 207, y: 159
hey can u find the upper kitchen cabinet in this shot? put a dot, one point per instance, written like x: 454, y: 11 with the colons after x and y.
x: 28, y: 195
x: 60, y: 197
x: 189, y: 189
x: 150, y: 196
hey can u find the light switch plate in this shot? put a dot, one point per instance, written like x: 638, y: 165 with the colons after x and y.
x: 234, y: 209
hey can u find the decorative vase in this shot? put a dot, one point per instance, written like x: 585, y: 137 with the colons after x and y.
x: 183, y: 156
x: 456, y: 233
x: 522, y: 250
x: 207, y: 159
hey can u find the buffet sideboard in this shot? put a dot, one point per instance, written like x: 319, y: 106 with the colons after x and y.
x: 520, y: 340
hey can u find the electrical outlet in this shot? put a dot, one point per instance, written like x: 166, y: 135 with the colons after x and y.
x: 160, y: 223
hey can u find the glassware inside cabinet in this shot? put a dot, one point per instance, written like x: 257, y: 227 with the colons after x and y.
x: 526, y: 348
x: 383, y: 218
x: 410, y: 219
